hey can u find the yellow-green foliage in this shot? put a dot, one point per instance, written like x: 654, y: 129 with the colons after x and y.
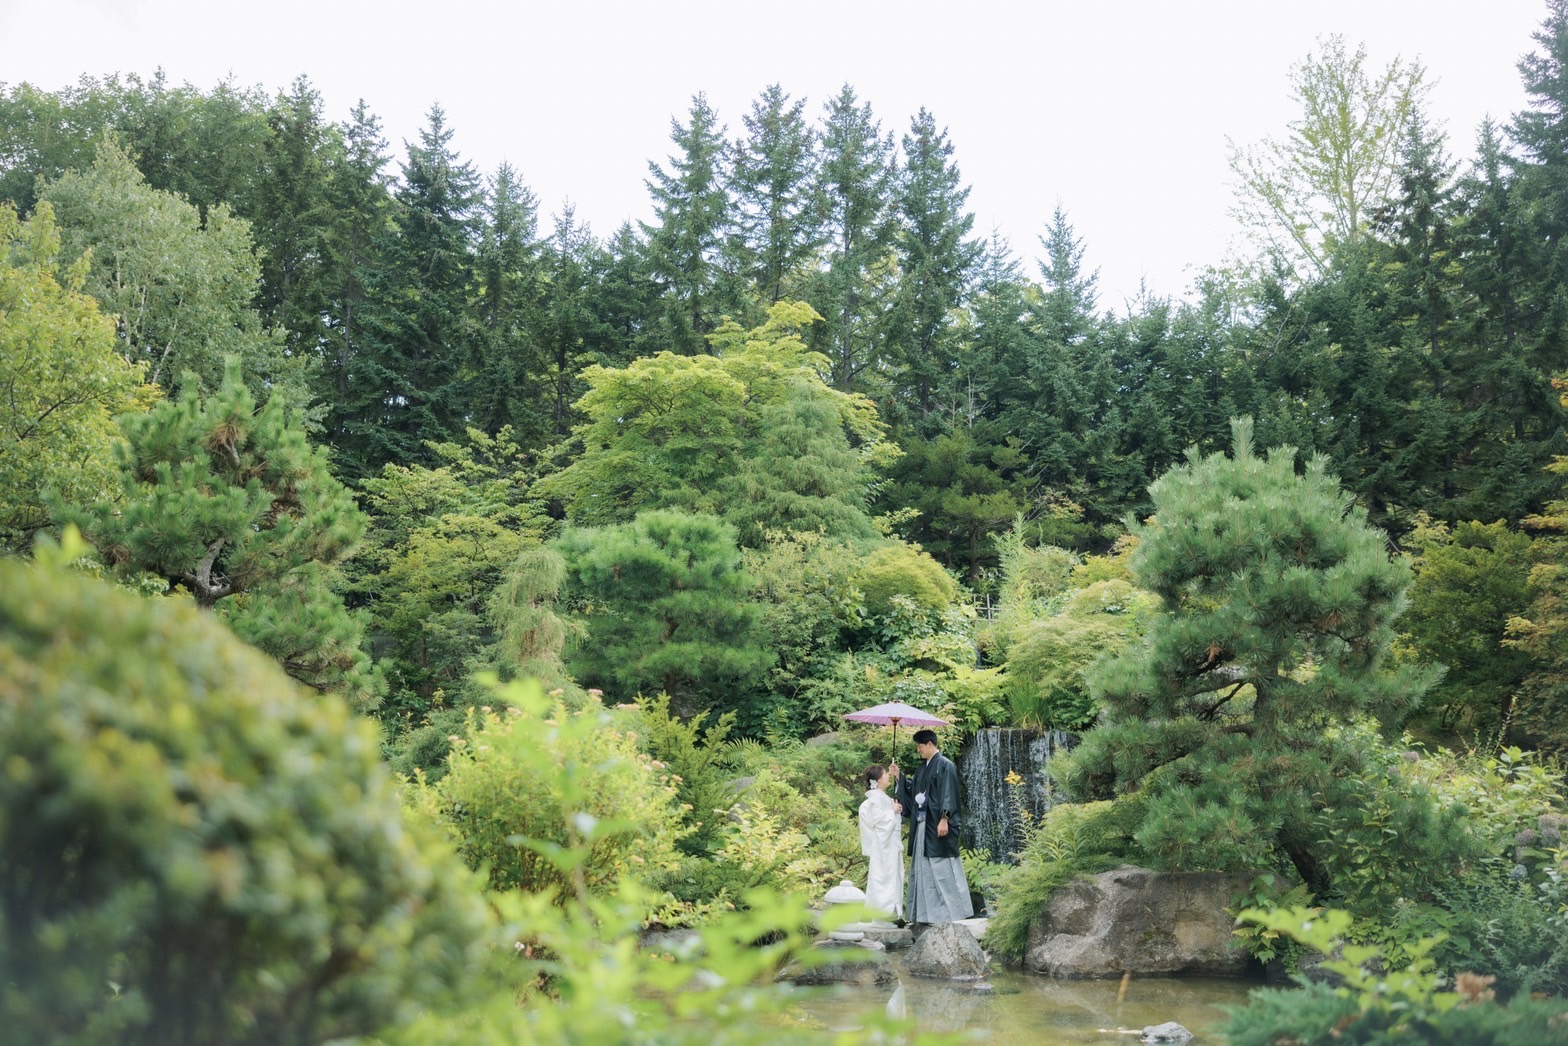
x: 531, y: 780
x: 902, y: 570
x: 192, y: 849
x: 62, y: 379
x: 1049, y: 658
x: 586, y: 979
x: 815, y: 832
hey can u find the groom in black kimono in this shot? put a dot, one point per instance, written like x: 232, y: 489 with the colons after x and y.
x: 938, y: 891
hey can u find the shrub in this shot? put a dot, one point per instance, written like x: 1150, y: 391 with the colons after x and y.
x: 194, y: 850
x: 521, y: 788
x: 817, y: 818
x: 693, y: 758
x: 902, y: 570
x: 1371, y: 1006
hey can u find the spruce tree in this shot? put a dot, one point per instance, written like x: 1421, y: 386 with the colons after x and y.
x: 412, y: 386
x: 292, y: 219
x: 855, y: 195
x: 775, y: 225
x: 691, y: 208
x: 936, y: 261
x: 507, y: 364
x: 354, y: 260
x: 1279, y: 604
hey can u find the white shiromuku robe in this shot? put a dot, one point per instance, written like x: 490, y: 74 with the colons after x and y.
x: 879, y: 841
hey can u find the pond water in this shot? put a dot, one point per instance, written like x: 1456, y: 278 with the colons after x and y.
x: 1022, y: 1007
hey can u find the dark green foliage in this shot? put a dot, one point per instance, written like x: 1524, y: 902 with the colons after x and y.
x: 1382, y: 996
x: 1504, y: 926
x: 962, y: 495
x: 509, y: 354
x: 1540, y: 631
x: 936, y: 259
x: 1361, y: 819
x: 856, y: 195
x: 772, y: 176
x: 667, y: 608
x: 234, y: 506
x: 691, y: 205
x: 293, y: 218
x: 408, y: 369
x: 1317, y: 1015
x: 194, y: 850
x: 1279, y: 604
x: 352, y: 264
x: 1469, y: 583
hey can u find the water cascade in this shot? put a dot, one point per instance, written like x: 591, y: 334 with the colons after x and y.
x: 994, y: 806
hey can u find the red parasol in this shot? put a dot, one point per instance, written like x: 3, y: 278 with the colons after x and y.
x: 895, y: 712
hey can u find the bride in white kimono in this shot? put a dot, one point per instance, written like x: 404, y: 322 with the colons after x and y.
x: 879, y: 841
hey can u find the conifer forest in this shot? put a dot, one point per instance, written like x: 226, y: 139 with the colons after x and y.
x: 346, y: 495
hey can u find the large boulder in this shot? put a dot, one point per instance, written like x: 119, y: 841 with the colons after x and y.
x: 1132, y: 920
x: 947, y: 951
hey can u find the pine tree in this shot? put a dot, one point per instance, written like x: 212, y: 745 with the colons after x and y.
x: 667, y: 610
x: 1279, y: 605
x: 232, y: 505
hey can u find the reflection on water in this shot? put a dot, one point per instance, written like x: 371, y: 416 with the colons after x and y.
x: 1023, y: 1008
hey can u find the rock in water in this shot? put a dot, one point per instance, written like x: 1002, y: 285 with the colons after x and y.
x: 851, y: 963
x: 1170, y: 1032
x: 949, y: 952
x: 1136, y: 921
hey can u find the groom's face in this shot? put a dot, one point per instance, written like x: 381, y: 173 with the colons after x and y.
x: 926, y: 749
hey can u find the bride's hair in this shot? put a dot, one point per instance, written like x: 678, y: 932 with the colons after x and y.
x: 874, y: 774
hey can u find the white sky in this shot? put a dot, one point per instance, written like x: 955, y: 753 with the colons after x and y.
x: 1119, y: 112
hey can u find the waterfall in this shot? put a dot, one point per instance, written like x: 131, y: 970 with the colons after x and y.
x: 992, y: 805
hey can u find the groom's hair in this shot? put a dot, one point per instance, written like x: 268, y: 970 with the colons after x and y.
x: 925, y: 737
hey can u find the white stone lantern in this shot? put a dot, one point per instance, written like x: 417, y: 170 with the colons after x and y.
x: 846, y: 892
